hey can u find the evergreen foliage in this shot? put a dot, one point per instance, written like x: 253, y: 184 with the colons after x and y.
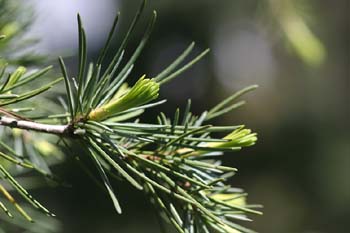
x: 174, y: 161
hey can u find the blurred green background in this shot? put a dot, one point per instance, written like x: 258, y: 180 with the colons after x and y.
x: 296, y: 50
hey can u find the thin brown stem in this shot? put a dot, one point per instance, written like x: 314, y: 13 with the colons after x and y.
x: 38, y: 127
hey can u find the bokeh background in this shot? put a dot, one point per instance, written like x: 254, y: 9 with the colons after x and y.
x: 297, y: 51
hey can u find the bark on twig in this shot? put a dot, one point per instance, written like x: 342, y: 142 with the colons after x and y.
x: 34, y: 126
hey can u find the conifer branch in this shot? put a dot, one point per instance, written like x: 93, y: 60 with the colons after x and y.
x: 63, y: 130
x: 173, y: 161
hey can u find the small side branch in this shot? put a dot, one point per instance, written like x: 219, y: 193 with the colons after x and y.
x: 34, y: 126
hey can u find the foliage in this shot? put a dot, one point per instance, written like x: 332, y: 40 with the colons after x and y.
x: 173, y: 161
x: 297, y: 33
x: 14, y: 48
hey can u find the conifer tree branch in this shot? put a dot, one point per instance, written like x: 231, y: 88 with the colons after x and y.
x: 173, y: 161
x: 34, y: 126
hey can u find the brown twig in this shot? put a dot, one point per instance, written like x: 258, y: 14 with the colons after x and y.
x: 38, y: 127
x: 12, y: 114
